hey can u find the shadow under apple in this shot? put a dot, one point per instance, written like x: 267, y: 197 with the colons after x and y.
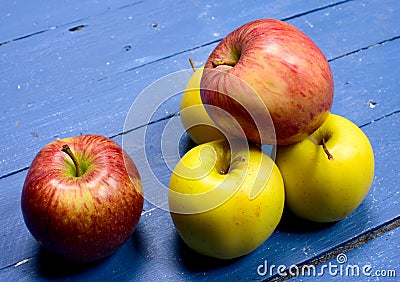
x: 127, y: 258
x: 196, y: 262
x: 185, y: 144
x: 54, y: 266
x: 291, y: 223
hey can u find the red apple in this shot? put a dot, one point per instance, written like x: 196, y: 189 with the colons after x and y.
x: 82, y: 197
x: 268, y: 69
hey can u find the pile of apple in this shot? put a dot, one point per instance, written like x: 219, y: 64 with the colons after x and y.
x: 265, y: 83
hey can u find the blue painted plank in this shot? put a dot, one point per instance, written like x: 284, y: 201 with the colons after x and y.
x: 376, y: 260
x: 21, y: 19
x: 137, y: 26
x: 365, y: 89
x: 52, y: 88
x: 44, y: 17
x: 345, y: 28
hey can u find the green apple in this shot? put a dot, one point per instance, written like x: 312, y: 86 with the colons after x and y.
x: 225, y: 199
x: 195, y: 119
x: 328, y: 174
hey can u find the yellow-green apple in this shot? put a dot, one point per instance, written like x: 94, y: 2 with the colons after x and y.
x: 328, y: 174
x: 82, y: 197
x: 195, y: 120
x: 225, y: 199
x: 270, y: 66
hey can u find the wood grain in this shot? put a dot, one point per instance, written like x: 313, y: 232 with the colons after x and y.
x: 57, y: 82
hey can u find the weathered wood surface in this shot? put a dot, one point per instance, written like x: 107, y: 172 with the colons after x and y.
x: 77, y: 67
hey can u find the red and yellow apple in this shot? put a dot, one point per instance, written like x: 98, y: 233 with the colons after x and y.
x: 195, y: 119
x: 268, y: 68
x: 328, y: 174
x: 225, y: 199
x: 82, y: 197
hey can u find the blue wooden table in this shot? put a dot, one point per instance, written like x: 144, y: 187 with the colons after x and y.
x: 77, y: 67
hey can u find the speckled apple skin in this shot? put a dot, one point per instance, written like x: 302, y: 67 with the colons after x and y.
x: 282, y: 75
x: 82, y: 218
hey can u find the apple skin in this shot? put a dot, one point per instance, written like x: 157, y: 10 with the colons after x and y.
x: 195, y: 119
x: 225, y: 202
x: 82, y: 218
x: 282, y: 73
x: 323, y: 190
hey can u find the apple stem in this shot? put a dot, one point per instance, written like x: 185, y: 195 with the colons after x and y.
x: 66, y: 149
x: 220, y: 62
x: 330, y: 157
x: 192, y: 64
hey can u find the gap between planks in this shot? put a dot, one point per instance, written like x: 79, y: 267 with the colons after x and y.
x: 343, y: 247
x: 177, y: 114
x: 64, y: 25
